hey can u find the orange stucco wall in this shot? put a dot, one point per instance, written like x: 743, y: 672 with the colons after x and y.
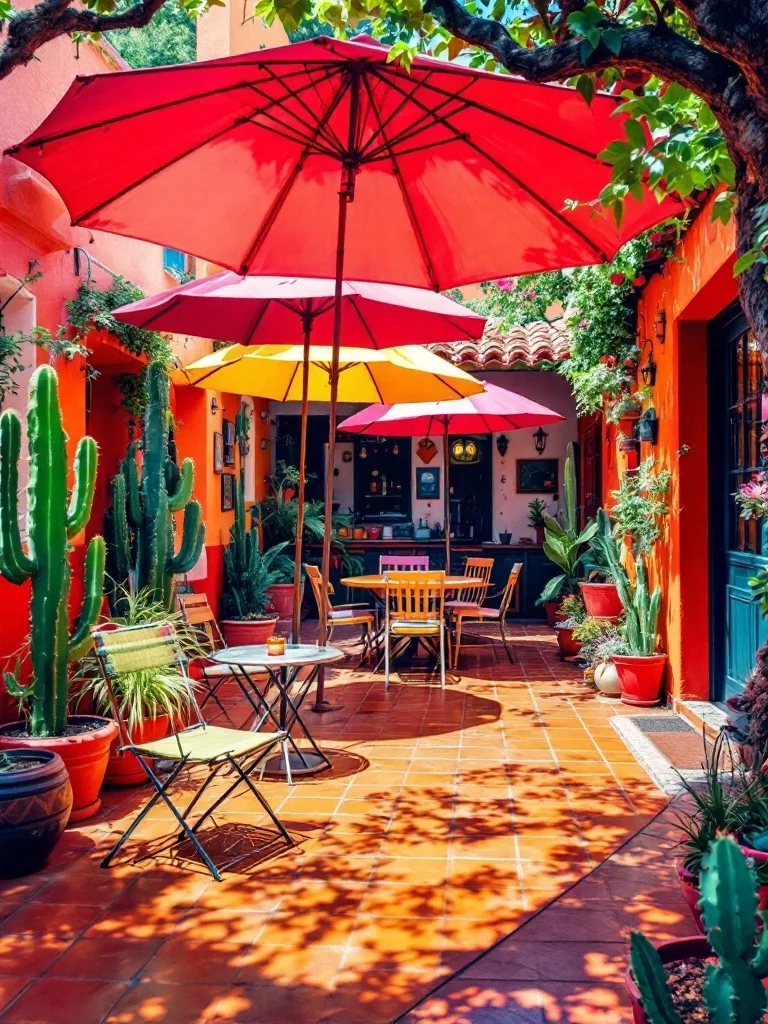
x: 692, y: 289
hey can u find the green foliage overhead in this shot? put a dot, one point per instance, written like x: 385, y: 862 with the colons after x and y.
x: 170, y: 38
x: 92, y: 308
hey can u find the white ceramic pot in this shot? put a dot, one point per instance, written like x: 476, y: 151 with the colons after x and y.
x: 607, y: 679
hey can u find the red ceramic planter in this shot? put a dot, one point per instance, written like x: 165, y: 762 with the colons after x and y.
x: 569, y: 647
x: 247, y: 632
x: 85, y: 755
x: 551, y: 608
x: 690, y: 886
x: 125, y: 769
x: 281, y: 596
x: 678, y: 949
x: 601, y: 600
x: 640, y: 678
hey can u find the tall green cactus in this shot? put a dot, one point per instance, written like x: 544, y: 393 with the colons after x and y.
x: 641, y: 606
x: 563, y: 544
x: 733, y: 991
x: 53, y: 518
x: 139, y: 525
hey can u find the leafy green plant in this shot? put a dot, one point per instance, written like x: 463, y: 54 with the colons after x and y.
x: 641, y: 606
x: 564, y: 544
x: 54, y: 517
x: 536, y: 510
x: 593, y: 634
x: 139, y: 524
x: 639, y: 506
x: 573, y: 611
x: 733, y: 990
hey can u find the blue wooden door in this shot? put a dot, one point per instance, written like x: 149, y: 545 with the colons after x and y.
x: 739, y: 548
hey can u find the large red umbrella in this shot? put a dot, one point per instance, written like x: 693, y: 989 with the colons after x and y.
x: 449, y: 175
x: 489, y: 411
x: 293, y: 310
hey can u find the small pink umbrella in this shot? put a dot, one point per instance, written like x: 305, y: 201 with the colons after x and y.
x: 492, y: 410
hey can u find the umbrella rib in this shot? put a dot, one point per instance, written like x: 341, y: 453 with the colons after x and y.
x: 257, y: 322
x: 332, y: 149
x: 381, y: 155
x: 108, y: 121
x: 169, y: 163
x: 373, y: 381
x: 277, y: 204
x: 406, y: 197
x: 418, y: 126
x: 327, y: 131
x: 482, y: 108
x: 291, y: 379
x: 363, y: 321
x: 288, y: 131
x: 388, y: 120
x: 160, y: 312
x: 213, y: 371
x: 534, y: 195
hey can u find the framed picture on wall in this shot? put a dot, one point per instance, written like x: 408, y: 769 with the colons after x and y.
x: 218, y: 452
x: 537, y: 476
x: 428, y: 483
x: 228, y: 431
x: 227, y: 492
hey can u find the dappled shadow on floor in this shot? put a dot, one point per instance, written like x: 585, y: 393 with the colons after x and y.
x: 448, y: 819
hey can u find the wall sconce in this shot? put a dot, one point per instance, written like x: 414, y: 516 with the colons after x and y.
x: 502, y: 443
x: 264, y: 414
x: 214, y: 405
x: 660, y: 326
x: 264, y: 443
x: 648, y: 368
x: 540, y: 440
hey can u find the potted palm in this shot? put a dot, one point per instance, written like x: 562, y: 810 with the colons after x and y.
x: 536, y: 510
x: 248, y: 577
x: 642, y: 669
x: 53, y: 518
x: 35, y: 804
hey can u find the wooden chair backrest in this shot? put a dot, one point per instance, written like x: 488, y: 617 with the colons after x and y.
x: 481, y: 568
x: 415, y: 596
x: 196, y: 611
x: 136, y: 648
x: 316, y: 582
x: 509, y: 589
x: 403, y: 563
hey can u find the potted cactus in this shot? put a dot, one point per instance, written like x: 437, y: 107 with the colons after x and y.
x: 139, y: 524
x: 53, y: 518
x: 728, y: 966
x: 642, y: 670
x: 249, y: 576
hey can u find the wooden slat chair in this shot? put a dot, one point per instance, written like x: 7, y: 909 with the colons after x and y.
x: 156, y: 646
x: 344, y: 614
x: 479, y: 613
x: 196, y: 611
x: 414, y: 604
x: 403, y: 563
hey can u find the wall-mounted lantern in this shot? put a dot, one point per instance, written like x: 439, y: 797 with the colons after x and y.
x: 214, y: 405
x: 502, y: 443
x: 540, y: 440
x: 465, y: 450
x: 648, y: 368
x: 660, y: 326
x: 648, y: 427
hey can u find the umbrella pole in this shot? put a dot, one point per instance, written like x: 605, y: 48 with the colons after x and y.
x: 296, y: 623
x: 447, y: 485
x: 346, y: 194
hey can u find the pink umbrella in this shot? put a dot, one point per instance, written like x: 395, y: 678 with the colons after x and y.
x: 492, y: 410
x: 294, y: 310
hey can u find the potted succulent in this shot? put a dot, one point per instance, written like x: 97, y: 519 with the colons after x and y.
x: 281, y: 593
x: 564, y: 544
x: 505, y: 537
x: 536, y: 510
x: 53, y: 518
x: 248, y: 577
x: 719, y: 976
x: 600, y: 641
x: 35, y: 804
x: 747, y: 722
x: 151, y: 702
x: 642, y: 669
x: 575, y: 614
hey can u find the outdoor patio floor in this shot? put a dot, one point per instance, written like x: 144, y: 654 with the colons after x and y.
x: 449, y: 818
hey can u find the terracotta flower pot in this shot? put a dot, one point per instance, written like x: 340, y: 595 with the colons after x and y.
x: 247, y: 632
x: 690, y: 886
x: 569, y: 647
x: 35, y: 804
x: 602, y: 600
x: 551, y: 608
x: 85, y: 755
x: 695, y: 946
x: 607, y: 679
x: 281, y: 597
x: 640, y: 678
x: 539, y: 534
x: 125, y: 769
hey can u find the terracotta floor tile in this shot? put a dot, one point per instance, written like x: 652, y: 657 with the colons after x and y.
x: 56, y: 921
x: 76, y: 1001
x: 95, y: 959
x: 10, y: 988
x: 153, y: 1003
x: 483, y: 873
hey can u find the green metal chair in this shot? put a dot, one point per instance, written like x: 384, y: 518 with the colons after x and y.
x: 132, y: 648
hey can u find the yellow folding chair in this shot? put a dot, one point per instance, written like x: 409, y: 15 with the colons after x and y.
x: 414, y: 607
x: 480, y: 613
x: 156, y: 646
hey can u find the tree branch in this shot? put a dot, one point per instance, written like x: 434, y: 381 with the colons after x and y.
x: 741, y: 37
x: 30, y: 29
x: 653, y: 48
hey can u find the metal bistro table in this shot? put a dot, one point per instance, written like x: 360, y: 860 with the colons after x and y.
x: 377, y: 584
x: 283, y: 708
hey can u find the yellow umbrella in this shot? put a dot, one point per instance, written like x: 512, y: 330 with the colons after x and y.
x: 366, y: 375
x: 407, y: 374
